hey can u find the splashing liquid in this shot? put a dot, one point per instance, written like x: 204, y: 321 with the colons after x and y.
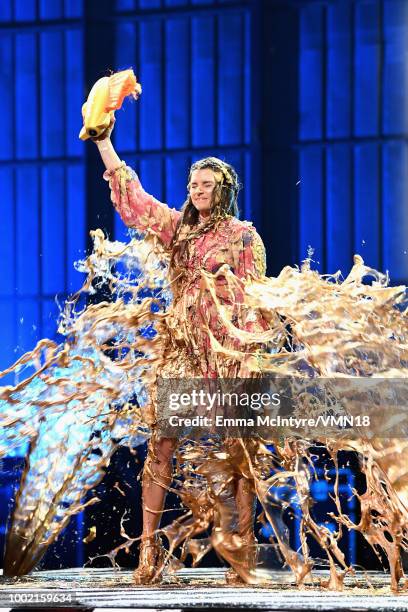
x: 73, y: 400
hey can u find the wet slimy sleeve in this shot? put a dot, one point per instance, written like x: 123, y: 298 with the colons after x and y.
x: 251, y: 257
x: 139, y: 209
x: 251, y: 260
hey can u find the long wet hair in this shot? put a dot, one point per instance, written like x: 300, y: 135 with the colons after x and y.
x: 224, y: 204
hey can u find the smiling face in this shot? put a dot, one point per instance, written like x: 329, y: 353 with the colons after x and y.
x: 201, y: 189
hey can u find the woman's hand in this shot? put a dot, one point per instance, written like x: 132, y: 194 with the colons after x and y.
x: 106, y: 133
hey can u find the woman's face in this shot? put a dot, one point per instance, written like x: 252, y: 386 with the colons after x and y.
x: 201, y: 189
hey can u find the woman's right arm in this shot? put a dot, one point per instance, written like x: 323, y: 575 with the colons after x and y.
x: 108, y: 154
x: 137, y: 208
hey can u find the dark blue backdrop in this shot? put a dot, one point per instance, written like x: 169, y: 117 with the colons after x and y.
x: 308, y: 99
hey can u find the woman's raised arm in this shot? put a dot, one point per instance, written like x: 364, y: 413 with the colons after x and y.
x: 137, y: 208
x: 108, y: 154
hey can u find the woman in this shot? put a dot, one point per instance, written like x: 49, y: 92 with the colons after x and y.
x: 201, y: 238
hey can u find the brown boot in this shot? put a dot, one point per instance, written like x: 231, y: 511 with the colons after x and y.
x: 249, y: 542
x: 233, y: 578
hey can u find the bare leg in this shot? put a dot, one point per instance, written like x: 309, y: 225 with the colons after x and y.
x: 245, y: 501
x: 157, y: 476
x: 246, y: 504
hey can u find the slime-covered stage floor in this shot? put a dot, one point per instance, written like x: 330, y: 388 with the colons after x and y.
x: 196, y: 589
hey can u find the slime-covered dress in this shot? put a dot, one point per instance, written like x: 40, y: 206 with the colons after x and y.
x: 193, y: 321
